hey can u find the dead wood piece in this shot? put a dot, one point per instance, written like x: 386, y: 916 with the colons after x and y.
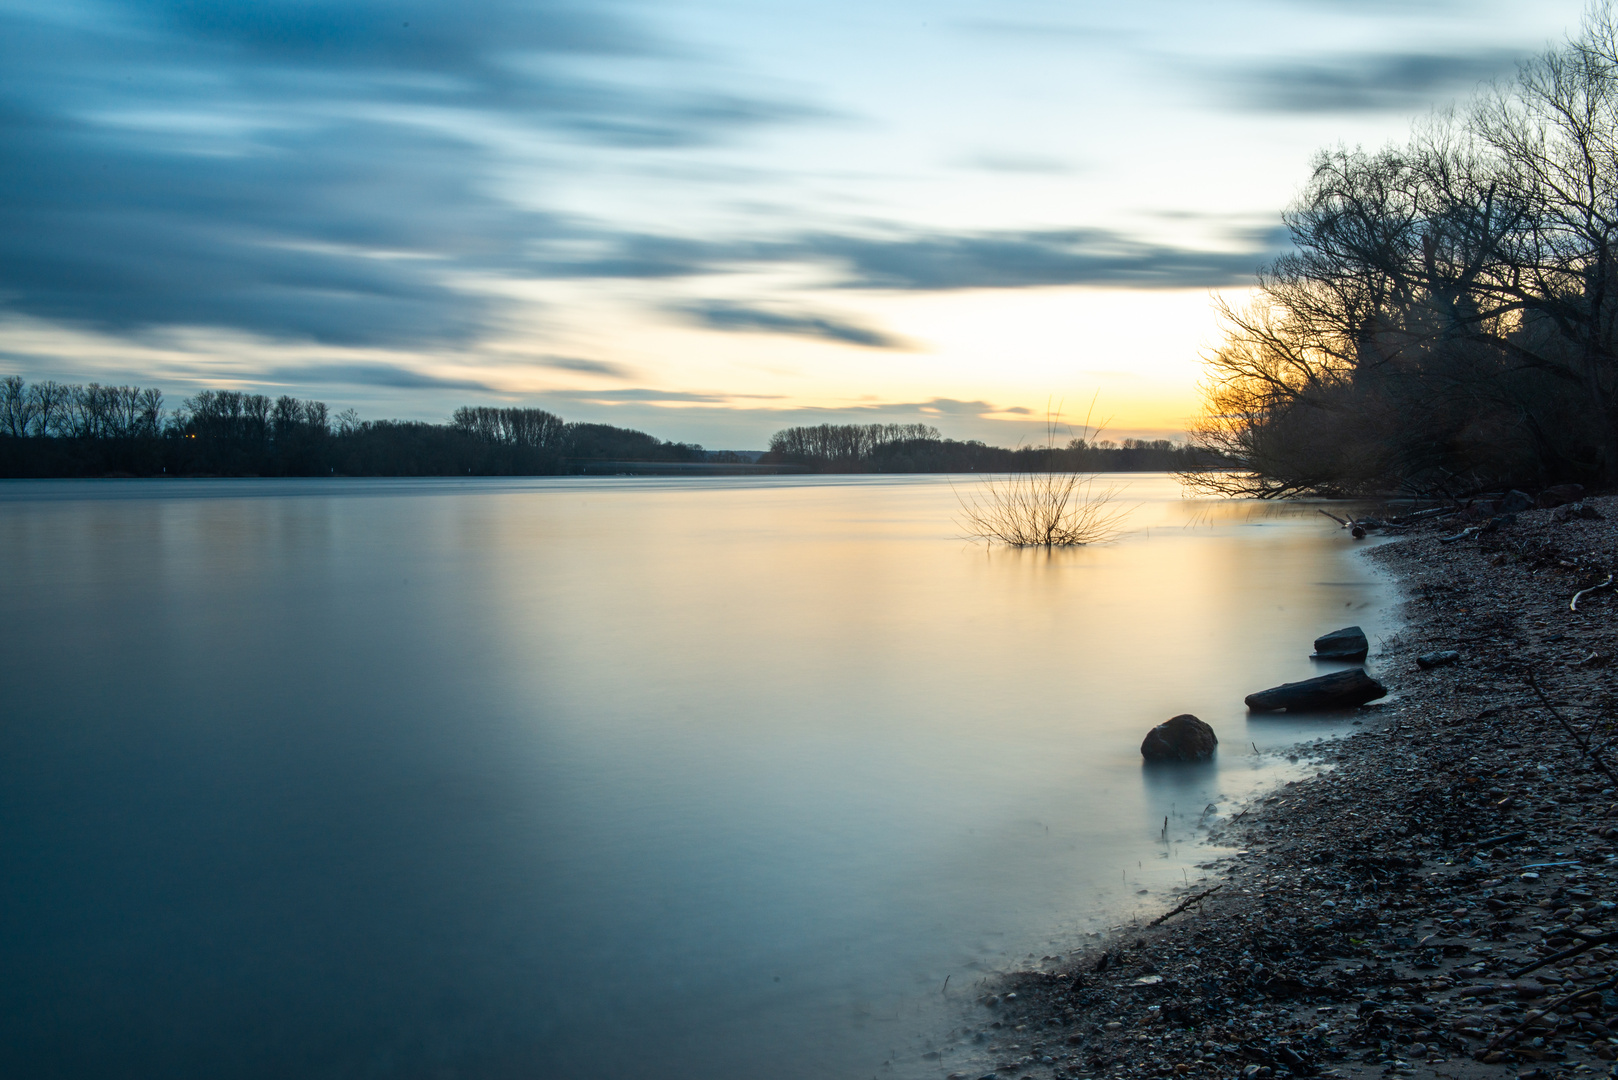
x: 1339, y: 690
x: 1469, y: 531
x: 1556, y: 958
x: 1573, y: 605
x: 1547, y: 1010
x: 1579, y: 740
x: 1167, y: 915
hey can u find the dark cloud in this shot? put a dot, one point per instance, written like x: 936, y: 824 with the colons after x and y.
x: 587, y: 367
x: 1034, y: 258
x: 644, y: 395
x: 946, y: 261
x: 735, y: 317
x: 289, y: 170
x: 1363, y: 82
x: 376, y: 374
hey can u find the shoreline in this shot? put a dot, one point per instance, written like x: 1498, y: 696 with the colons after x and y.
x: 1379, y: 922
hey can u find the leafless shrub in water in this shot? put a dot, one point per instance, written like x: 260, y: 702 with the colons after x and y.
x: 1052, y: 509
x: 1043, y: 509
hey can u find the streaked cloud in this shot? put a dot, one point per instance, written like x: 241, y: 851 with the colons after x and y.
x: 916, y: 260
x: 604, y: 368
x: 376, y: 374
x: 1011, y: 162
x: 647, y: 395
x: 738, y: 318
x: 309, y: 171
x: 1362, y: 82
x: 1001, y: 260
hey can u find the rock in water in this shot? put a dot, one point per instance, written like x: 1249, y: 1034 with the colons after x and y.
x: 1184, y: 738
x: 1346, y: 644
x: 1339, y: 690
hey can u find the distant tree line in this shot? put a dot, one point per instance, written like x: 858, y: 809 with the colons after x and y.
x: 911, y: 448
x: 1449, y: 319
x: 51, y: 429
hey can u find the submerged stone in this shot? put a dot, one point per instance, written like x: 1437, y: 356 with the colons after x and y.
x: 1346, y: 644
x: 1183, y: 738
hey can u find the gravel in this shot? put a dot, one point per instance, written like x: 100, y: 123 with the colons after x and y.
x: 1406, y: 912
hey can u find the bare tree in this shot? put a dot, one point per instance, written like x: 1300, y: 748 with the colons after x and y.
x: 1452, y: 306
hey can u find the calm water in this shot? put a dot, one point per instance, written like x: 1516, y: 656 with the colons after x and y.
x: 623, y: 778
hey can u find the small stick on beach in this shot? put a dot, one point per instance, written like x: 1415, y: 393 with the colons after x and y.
x: 1579, y: 740
x: 1547, y: 1010
x: 1573, y: 604
x: 1167, y: 915
x: 1557, y: 958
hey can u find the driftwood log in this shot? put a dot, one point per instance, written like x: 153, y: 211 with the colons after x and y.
x: 1339, y: 690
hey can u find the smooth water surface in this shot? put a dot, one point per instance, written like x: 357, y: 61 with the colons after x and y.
x: 604, y: 777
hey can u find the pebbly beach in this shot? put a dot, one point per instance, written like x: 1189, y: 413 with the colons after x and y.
x: 1439, y: 899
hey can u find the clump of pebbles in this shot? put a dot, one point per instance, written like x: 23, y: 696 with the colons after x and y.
x: 1441, y: 902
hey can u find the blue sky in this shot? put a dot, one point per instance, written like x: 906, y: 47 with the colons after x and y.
x: 704, y: 218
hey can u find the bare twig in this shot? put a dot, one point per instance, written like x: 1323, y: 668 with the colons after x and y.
x: 1573, y: 604
x: 1583, y: 744
x: 1167, y: 915
x: 1547, y: 1010
x: 1584, y: 946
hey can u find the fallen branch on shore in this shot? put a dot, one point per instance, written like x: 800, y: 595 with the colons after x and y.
x: 1547, y: 1010
x: 1573, y: 604
x: 1583, y: 744
x: 1585, y: 945
x: 1197, y: 899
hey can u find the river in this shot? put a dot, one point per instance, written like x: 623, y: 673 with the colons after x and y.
x: 609, y: 777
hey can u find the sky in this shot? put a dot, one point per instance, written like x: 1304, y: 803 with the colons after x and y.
x: 706, y: 219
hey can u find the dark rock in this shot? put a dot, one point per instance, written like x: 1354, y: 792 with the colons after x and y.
x: 1184, y: 738
x: 1339, y: 690
x: 1561, y: 493
x: 1438, y: 659
x: 1515, y: 502
x: 1346, y: 644
x: 1569, y: 511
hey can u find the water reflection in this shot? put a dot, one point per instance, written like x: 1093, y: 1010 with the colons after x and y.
x: 506, y: 778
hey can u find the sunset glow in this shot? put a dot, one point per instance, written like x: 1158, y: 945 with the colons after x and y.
x: 707, y: 219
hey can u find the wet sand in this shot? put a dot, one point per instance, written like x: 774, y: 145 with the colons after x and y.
x: 1424, y: 905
